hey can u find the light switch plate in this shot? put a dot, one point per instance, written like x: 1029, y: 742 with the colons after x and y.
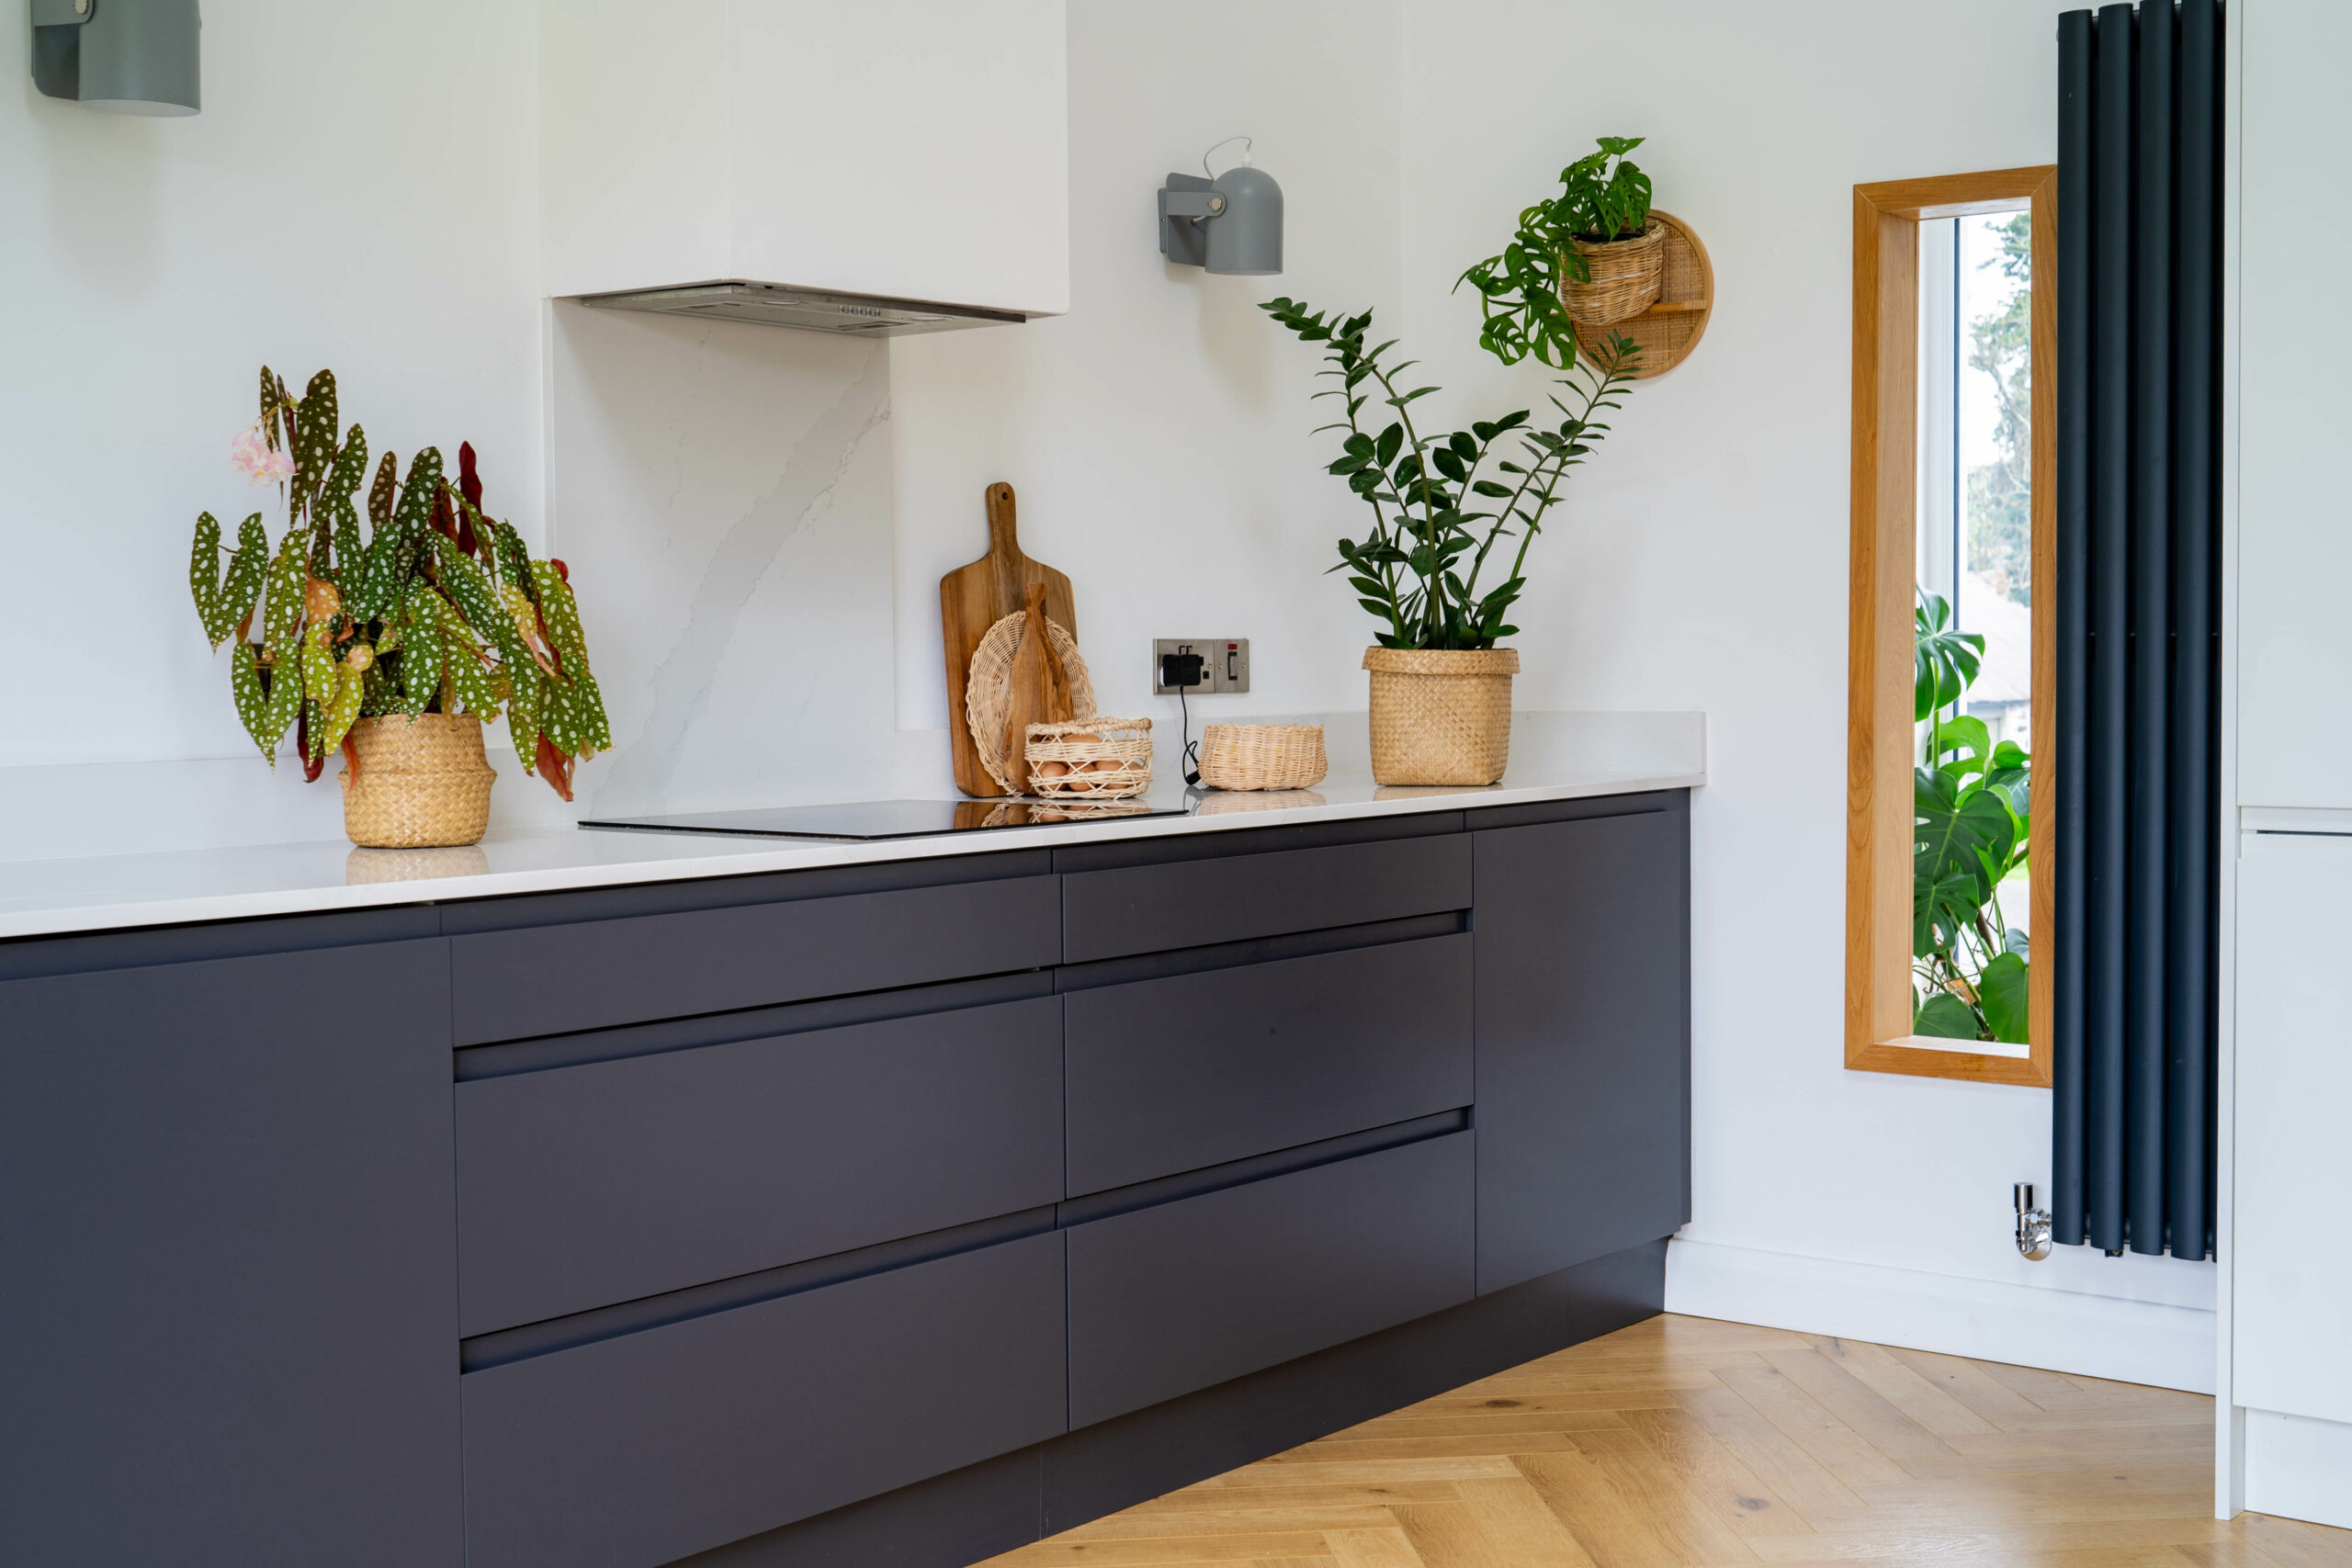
x: 1224, y: 665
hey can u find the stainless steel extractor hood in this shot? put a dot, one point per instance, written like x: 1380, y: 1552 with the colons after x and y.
x: 777, y: 305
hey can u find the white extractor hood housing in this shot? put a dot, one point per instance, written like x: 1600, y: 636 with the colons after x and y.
x: 889, y: 167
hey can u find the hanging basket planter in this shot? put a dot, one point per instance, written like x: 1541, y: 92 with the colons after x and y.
x: 1626, y: 274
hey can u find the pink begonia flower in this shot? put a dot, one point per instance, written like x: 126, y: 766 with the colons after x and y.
x: 251, y: 455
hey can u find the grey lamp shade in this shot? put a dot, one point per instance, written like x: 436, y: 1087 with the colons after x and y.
x: 126, y: 56
x: 1246, y: 239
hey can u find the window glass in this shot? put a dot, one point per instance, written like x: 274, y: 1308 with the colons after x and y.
x: 1974, y: 532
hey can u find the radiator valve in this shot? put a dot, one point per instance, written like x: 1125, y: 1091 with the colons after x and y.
x: 2033, y: 1225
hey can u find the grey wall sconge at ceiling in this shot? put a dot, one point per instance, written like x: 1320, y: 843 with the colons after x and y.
x: 1229, y: 223
x: 126, y: 56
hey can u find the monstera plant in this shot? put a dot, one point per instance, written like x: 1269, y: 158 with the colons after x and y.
x: 431, y: 607
x: 1970, y: 799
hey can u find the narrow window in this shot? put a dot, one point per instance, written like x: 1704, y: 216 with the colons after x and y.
x: 1948, y: 527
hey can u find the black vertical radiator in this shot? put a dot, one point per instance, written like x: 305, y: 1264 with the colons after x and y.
x: 2139, y: 137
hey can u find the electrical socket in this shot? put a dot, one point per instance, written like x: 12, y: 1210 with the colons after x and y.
x: 1225, y: 670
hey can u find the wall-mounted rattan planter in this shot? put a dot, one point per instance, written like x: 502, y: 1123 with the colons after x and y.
x: 1623, y: 277
x: 1669, y: 325
x: 421, y: 783
x: 1441, y: 715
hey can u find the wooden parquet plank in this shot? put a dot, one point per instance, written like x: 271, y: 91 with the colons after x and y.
x: 1614, y: 1529
x: 1901, y: 1386
x: 1972, y: 1386
x: 1881, y: 1425
x: 1843, y: 1451
x: 1693, y: 1443
x: 1691, y: 1521
x: 1386, y: 1547
x: 1715, y: 1475
x: 1820, y: 1498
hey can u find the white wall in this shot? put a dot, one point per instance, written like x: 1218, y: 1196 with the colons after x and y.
x: 1702, y: 564
x: 1156, y: 436
x: 357, y: 193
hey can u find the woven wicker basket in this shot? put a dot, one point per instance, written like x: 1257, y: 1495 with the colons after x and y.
x: 1263, y: 756
x: 422, y: 784
x: 987, y: 692
x: 1090, y: 759
x: 1441, y: 715
x: 1627, y: 274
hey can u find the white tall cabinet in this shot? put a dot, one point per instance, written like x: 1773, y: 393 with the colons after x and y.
x: 912, y: 148
x: 2286, y: 1372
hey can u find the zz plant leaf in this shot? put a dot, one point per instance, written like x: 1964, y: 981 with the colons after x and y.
x: 1419, y: 571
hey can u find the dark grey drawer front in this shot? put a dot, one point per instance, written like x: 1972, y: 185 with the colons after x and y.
x: 1167, y: 1076
x: 1165, y: 1301
x: 637, y: 1450
x: 1152, y: 909
x: 584, y: 1186
x: 511, y: 985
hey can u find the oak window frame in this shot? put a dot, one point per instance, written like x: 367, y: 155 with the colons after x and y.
x: 1880, y: 741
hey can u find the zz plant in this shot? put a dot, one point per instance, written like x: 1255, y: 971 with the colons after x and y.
x: 1970, y: 799
x: 1443, y: 502
x: 435, y: 607
x: 1602, y: 197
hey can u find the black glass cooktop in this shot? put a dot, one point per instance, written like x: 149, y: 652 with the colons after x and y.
x: 884, y: 818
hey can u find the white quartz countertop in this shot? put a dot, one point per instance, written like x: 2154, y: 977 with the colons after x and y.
x: 100, y: 892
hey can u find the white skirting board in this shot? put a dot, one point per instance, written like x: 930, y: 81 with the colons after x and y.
x: 2063, y: 1331
x: 2298, y: 1468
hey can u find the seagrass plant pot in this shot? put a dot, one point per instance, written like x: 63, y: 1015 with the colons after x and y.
x: 422, y: 784
x: 1627, y: 275
x: 1441, y: 715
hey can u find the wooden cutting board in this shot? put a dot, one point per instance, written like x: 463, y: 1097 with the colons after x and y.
x: 974, y: 598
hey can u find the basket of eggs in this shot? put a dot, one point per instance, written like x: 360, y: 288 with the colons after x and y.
x: 1090, y: 759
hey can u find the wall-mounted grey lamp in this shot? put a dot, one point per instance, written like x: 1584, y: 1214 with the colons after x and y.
x: 1230, y: 222
x: 128, y: 56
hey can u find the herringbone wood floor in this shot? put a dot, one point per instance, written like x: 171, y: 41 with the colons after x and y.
x: 1683, y: 1441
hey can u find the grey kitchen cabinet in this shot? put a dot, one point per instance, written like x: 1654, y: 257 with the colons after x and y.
x: 228, y: 1333
x: 1191, y: 1071
x: 527, y: 976
x: 879, y: 1213
x: 638, y: 1449
x: 603, y: 1181
x: 1583, y: 1032
x: 1182, y: 1295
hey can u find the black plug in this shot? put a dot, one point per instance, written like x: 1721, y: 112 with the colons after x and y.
x: 1182, y: 670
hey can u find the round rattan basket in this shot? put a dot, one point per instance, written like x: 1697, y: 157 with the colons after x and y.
x: 1627, y: 274
x: 1441, y: 715
x: 1090, y: 759
x: 988, y: 691
x: 421, y: 784
x: 1263, y: 756
x: 1672, y: 326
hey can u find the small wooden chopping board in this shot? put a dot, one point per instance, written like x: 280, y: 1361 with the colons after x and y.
x: 974, y: 598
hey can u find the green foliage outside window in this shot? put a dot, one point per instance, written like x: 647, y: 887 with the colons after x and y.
x: 1970, y: 801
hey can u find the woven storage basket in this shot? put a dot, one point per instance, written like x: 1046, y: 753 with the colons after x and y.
x: 1626, y: 277
x: 1263, y: 756
x: 1090, y: 759
x: 989, y: 689
x: 1441, y: 715
x: 422, y: 784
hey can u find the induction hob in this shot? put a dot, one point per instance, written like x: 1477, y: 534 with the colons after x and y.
x: 885, y: 819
